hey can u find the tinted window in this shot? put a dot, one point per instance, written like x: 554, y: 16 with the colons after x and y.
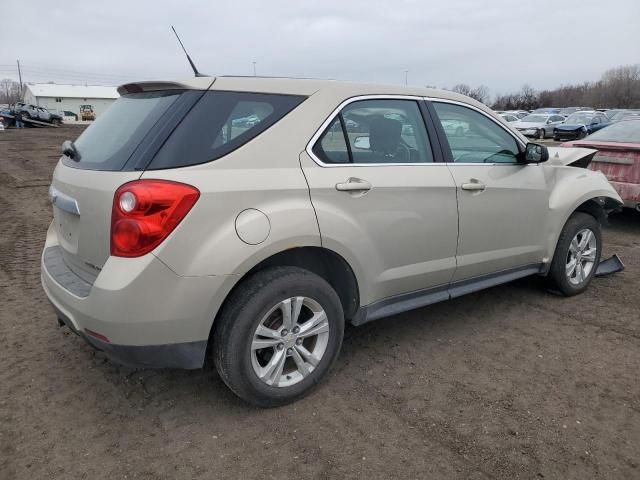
x: 220, y: 123
x: 473, y: 137
x: 377, y: 131
x: 111, y: 139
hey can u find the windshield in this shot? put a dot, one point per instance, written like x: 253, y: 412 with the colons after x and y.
x: 111, y: 139
x: 627, y: 131
x: 579, y: 118
x: 535, y: 118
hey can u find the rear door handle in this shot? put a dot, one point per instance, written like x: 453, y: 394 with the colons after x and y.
x: 353, y: 185
x: 473, y: 185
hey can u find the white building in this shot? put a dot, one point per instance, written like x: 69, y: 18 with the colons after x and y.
x: 57, y: 97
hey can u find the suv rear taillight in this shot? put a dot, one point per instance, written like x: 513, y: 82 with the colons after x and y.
x: 145, y: 212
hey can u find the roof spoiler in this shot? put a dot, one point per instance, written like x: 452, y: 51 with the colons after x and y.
x: 139, y: 87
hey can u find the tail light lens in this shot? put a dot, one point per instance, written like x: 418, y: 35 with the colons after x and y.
x: 145, y: 212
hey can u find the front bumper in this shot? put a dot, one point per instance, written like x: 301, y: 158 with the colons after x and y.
x: 569, y: 134
x: 145, y: 314
x: 530, y: 132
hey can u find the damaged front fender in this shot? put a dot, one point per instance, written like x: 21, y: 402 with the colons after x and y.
x: 573, y: 156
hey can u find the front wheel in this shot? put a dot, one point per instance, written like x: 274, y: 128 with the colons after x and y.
x: 278, y: 335
x: 577, y: 254
x: 541, y: 134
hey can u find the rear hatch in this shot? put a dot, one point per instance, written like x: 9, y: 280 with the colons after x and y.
x: 109, y: 153
x: 159, y: 126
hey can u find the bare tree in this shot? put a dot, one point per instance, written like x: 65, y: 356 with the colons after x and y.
x: 9, y: 91
x: 480, y: 93
x: 617, y: 88
x: 462, y: 89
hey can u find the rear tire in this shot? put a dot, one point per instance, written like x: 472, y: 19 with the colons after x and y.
x: 575, y: 264
x: 255, y: 315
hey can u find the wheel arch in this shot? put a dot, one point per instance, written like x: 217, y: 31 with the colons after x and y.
x: 598, y: 206
x: 319, y: 260
x: 325, y: 263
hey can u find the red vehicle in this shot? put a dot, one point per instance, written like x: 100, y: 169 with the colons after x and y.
x: 618, y: 157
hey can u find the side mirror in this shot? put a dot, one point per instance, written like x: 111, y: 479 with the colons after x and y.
x: 362, y: 142
x: 536, y: 153
x: 549, y: 122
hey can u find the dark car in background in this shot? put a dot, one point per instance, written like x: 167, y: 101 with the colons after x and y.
x: 618, y: 157
x: 580, y: 124
x: 566, y: 111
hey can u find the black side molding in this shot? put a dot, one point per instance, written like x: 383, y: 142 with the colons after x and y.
x: 421, y: 298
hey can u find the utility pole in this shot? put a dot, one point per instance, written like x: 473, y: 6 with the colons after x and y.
x: 20, y: 77
x: 254, y: 69
x: 406, y: 77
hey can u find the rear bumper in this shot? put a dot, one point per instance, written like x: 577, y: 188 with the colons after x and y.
x: 188, y: 355
x: 147, y: 315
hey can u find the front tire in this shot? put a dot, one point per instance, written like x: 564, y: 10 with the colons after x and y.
x: 577, y: 254
x: 541, y: 134
x: 278, y: 336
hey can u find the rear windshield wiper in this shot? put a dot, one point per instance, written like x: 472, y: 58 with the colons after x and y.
x: 69, y: 149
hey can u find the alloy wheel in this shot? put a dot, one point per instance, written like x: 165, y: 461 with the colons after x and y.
x: 581, y: 256
x: 290, y: 341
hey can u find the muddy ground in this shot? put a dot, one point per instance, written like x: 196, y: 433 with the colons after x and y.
x: 512, y: 382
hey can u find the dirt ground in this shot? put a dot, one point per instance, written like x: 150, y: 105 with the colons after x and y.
x: 512, y: 382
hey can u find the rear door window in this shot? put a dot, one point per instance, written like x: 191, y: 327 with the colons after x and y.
x: 219, y: 123
x: 376, y: 131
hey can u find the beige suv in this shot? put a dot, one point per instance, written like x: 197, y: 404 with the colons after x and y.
x: 245, y: 220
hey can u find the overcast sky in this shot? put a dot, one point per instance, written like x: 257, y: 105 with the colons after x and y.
x: 499, y: 43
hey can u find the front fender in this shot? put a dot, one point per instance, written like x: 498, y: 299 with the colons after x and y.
x: 572, y: 188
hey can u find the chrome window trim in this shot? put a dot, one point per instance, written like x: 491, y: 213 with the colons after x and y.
x: 334, y: 114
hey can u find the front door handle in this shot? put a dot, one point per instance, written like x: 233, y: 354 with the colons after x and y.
x: 474, y: 186
x: 353, y: 185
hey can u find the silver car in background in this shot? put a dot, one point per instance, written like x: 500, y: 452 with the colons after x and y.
x: 509, y: 117
x: 538, y: 125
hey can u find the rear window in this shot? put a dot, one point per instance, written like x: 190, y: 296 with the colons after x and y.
x: 110, y: 140
x: 220, y: 123
x: 626, y: 131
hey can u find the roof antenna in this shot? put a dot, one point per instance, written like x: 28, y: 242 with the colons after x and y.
x: 195, y: 70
